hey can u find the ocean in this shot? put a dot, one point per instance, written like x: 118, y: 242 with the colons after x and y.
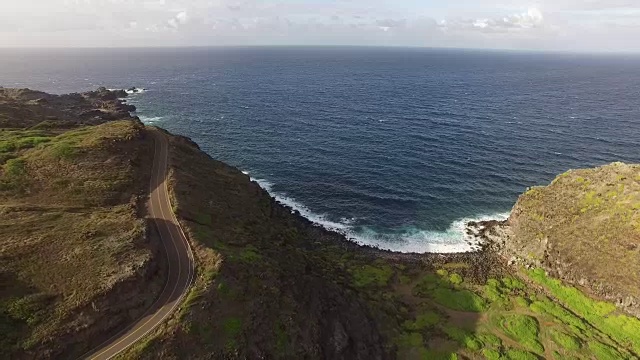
x: 395, y: 147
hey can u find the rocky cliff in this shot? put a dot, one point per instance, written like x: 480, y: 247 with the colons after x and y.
x: 583, y: 228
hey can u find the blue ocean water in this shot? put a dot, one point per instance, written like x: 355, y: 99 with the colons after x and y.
x: 395, y: 147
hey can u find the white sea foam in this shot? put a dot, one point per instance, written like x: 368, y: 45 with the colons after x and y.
x: 453, y: 240
x: 303, y: 210
x: 136, y: 90
x: 150, y: 119
x: 131, y: 91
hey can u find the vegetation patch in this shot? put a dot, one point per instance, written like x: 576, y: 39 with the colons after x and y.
x: 565, y: 341
x: 282, y: 339
x: 249, y: 254
x: 427, y: 284
x: 455, y: 279
x: 604, y: 352
x: 15, y: 168
x: 512, y: 283
x: 411, y: 346
x: 439, y: 355
x: 463, y: 337
x: 422, y: 321
x: 232, y: 327
x: 523, y: 329
x: 370, y: 275
x: 456, y: 266
x: 623, y: 329
x: 491, y: 354
x: 203, y: 219
x: 516, y: 354
x: 462, y: 300
x: 490, y: 340
x: 558, y: 312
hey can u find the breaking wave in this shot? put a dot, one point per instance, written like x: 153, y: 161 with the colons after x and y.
x: 150, y: 119
x: 303, y: 210
x: 131, y: 91
x: 135, y: 90
x: 411, y: 240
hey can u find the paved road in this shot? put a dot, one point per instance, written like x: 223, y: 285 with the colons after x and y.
x: 180, y: 264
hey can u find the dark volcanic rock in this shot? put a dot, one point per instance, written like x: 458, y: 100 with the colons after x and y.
x: 23, y: 108
x: 120, y: 93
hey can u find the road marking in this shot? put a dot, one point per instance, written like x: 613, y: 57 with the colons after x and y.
x: 158, y: 138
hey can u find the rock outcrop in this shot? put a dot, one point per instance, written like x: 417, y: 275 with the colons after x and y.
x: 583, y: 228
x: 22, y: 108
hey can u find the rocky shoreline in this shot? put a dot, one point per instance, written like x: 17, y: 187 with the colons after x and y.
x: 483, y: 260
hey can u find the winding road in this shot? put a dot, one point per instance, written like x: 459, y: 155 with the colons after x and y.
x: 180, y: 258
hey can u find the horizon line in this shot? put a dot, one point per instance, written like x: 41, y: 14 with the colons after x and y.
x: 414, y: 47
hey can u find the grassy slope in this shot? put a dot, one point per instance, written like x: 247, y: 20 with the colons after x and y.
x: 269, y: 285
x: 70, y: 230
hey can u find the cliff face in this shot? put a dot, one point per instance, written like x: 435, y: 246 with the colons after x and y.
x: 583, y: 228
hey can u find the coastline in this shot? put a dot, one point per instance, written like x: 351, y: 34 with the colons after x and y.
x: 485, y: 237
x: 457, y: 239
x: 271, y: 280
x: 453, y: 240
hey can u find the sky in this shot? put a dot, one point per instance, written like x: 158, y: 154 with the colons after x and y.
x: 554, y: 25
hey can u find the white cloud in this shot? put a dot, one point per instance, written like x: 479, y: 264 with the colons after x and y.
x: 530, y: 19
x: 179, y: 19
x: 539, y: 24
x: 481, y: 23
x: 182, y: 17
